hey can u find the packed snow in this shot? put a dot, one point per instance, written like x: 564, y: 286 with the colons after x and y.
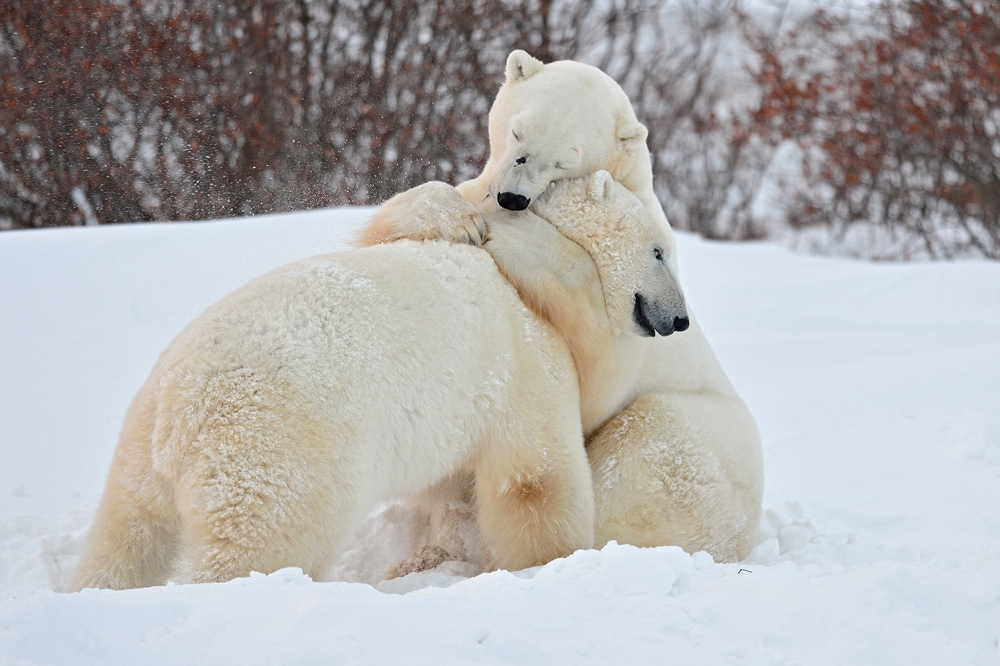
x: 876, y: 388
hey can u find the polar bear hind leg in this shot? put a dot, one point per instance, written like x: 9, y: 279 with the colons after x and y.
x: 133, y: 540
x: 263, y: 491
x: 679, y: 469
x: 129, y: 546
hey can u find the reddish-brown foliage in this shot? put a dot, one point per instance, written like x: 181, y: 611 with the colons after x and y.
x: 148, y: 110
x: 126, y: 110
x: 899, y: 127
x: 118, y: 112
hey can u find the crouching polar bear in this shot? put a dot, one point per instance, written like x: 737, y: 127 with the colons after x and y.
x: 278, y: 418
x: 675, y: 454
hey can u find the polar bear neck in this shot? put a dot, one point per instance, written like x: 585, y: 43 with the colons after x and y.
x: 558, y: 281
x: 601, y: 358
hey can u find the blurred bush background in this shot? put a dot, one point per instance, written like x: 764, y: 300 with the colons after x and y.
x: 871, y: 130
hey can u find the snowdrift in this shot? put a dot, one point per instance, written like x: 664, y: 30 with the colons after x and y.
x: 877, y: 392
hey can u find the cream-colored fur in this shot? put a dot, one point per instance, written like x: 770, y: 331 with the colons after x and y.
x: 284, y: 413
x: 693, y: 474
x: 407, y: 217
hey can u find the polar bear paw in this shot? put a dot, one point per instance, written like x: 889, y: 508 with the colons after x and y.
x: 432, y: 211
x: 424, y: 558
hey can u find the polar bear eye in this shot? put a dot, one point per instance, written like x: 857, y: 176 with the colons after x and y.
x: 658, y: 253
x: 516, y: 137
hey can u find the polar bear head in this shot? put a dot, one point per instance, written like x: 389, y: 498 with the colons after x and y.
x: 641, y: 293
x: 557, y: 121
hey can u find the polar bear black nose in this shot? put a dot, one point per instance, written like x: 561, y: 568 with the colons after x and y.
x: 681, y: 323
x: 512, y: 201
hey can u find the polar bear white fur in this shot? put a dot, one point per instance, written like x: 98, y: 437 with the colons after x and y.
x: 278, y: 418
x: 675, y: 453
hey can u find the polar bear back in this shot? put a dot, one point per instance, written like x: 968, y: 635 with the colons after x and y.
x: 431, y: 345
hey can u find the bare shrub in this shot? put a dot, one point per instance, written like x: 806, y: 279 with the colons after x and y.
x: 156, y: 110
x: 898, y: 125
x: 689, y: 70
x: 124, y: 112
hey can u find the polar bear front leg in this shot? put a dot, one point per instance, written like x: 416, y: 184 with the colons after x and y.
x: 432, y: 211
x: 535, y: 499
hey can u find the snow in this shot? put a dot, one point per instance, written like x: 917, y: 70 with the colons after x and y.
x: 877, y: 392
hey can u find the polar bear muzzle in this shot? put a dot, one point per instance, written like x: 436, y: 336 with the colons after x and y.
x: 513, y: 201
x: 652, y: 319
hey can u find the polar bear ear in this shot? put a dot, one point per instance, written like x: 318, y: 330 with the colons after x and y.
x: 631, y: 132
x: 521, y: 66
x: 601, y: 185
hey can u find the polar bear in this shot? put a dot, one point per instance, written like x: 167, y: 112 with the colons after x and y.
x: 675, y: 454
x: 284, y: 413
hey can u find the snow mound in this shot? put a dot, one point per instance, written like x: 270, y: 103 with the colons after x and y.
x: 875, y: 388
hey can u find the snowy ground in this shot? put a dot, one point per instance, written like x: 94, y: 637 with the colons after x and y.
x: 877, y: 392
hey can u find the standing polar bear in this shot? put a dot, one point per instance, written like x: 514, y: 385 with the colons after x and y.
x: 278, y: 418
x: 674, y: 452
